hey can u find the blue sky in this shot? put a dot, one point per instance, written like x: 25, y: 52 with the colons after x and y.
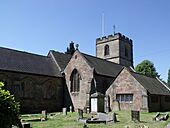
x: 38, y: 26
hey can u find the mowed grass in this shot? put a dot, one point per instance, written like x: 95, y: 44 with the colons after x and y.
x: 70, y: 121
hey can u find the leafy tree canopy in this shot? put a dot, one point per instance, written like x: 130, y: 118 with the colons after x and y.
x: 147, y: 68
x: 9, y: 109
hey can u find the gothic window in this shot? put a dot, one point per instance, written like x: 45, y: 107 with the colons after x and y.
x: 106, y: 50
x: 75, y: 81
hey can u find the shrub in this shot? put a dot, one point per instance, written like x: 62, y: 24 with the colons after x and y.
x: 9, y: 108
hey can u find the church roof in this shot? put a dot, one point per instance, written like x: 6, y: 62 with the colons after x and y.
x: 152, y: 85
x: 102, y: 66
x: 19, y: 61
x: 61, y: 59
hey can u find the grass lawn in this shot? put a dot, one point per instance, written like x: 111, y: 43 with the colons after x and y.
x: 70, y: 121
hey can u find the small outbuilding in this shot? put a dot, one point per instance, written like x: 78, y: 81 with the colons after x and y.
x: 133, y: 91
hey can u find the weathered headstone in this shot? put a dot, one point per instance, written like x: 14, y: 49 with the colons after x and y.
x: 106, y: 104
x: 80, y: 112
x: 85, y: 109
x: 44, y: 115
x: 88, y: 110
x: 113, y: 117
x: 135, y: 115
x: 107, y: 110
x: 64, y: 111
x: 26, y: 125
x: 71, y: 109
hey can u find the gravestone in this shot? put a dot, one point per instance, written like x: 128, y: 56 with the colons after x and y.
x: 26, y: 125
x: 135, y: 115
x: 113, y: 117
x: 106, y: 104
x: 88, y: 110
x: 71, y: 109
x: 85, y: 109
x: 64, y: 111
x: 80, y: 112
x: 44, y: 115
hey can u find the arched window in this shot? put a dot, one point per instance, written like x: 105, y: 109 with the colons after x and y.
x: 75, y: 81
x: 106, y: 50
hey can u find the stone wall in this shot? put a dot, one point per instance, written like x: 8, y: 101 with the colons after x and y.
x: 79, y: 99
x: 125, y: 83
x: 34, y: 92
x: 113, y: 46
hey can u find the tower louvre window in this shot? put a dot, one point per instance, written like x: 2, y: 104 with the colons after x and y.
x: 106, y: 50
x: 126, y: 52
x: 75, y: 81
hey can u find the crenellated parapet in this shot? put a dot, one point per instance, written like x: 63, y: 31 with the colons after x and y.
x: 116, y: 36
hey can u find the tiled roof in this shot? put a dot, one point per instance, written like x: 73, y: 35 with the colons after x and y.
x: 103, y: 67
x: 18, y: 61
x: 153, y: 85
x: 62, y: 59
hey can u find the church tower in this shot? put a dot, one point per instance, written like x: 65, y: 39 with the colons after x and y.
x: 115, y: 48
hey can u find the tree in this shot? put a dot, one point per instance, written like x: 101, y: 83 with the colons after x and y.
x: 147, y: 68
x: 168, y: 81
x: 9, y: 109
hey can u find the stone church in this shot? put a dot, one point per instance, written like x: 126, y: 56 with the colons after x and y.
x: 98, y: 83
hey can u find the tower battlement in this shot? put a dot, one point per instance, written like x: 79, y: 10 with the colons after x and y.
x: 116, y: 48
x: 113, y: 37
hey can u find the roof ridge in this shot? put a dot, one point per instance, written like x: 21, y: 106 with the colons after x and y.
x: 138, y: 73
x: 23, y: 52
x: 102, y: 59
x: 163, y: 83
x: 150, y: 82
x: 57, y: 51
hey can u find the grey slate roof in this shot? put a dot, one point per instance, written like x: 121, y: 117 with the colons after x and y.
x: 18, y: 61
x: 152, y: 85
x: 103, y: 67
x: 61, y: 59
